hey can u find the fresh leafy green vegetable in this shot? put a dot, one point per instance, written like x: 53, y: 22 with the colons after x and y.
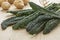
x: 43, y: 10
x: 51, y: 24
x: 54, y: 22
x: 10, y: 21
x: 26, y: 20
x: 37, y: 28
x: 37, y: 20
x: 22, y: 12
x: 53, y: 7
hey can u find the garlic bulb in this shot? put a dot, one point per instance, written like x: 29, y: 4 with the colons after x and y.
x: 1, y: 2
x: 19, y: 4
x: 5, y: 5
x: 25, y: 2
x: 11, y: 1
